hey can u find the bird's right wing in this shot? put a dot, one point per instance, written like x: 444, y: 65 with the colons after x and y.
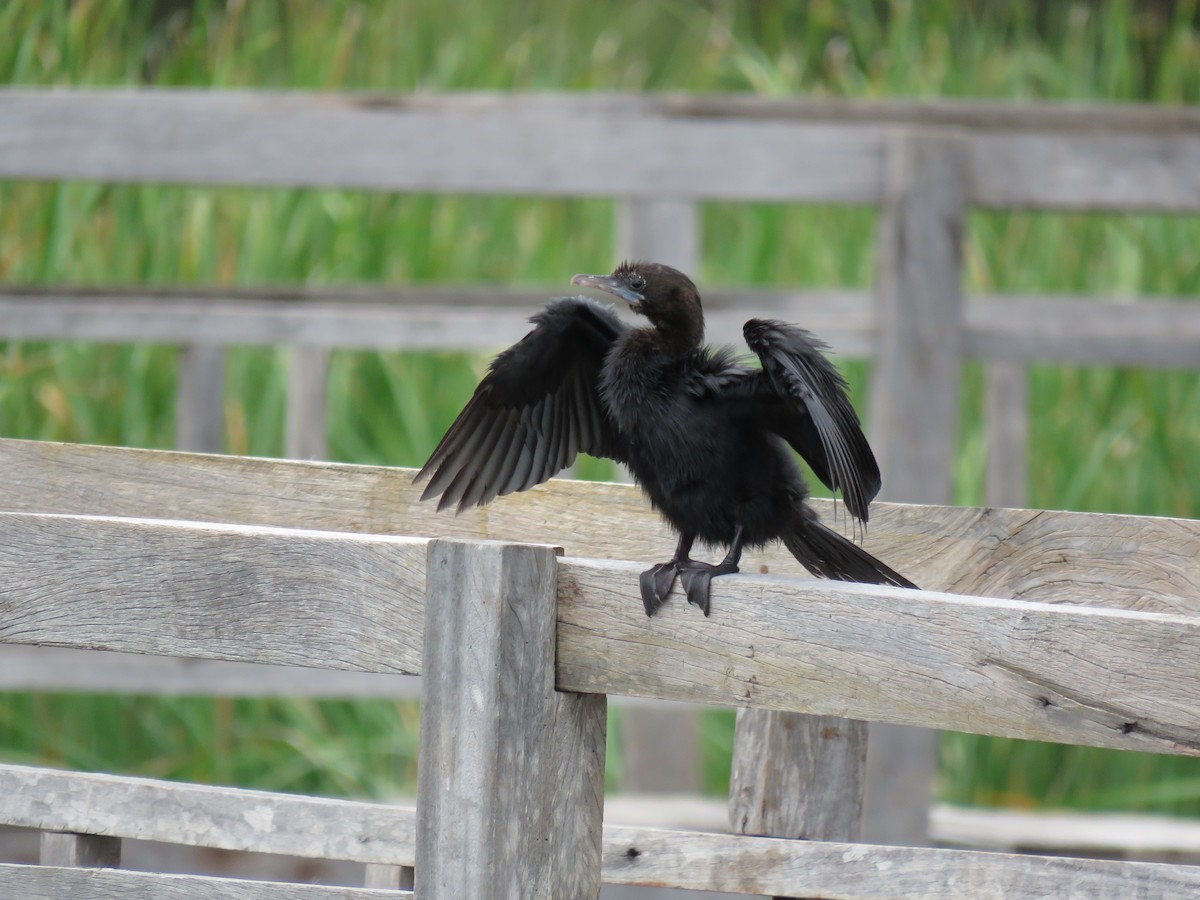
x: 538, y: 406
x: 804, y: 400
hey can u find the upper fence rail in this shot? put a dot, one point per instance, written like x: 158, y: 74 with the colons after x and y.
x: 736, y: 148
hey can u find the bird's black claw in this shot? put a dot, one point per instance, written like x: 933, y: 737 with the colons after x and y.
x: 656, y: 583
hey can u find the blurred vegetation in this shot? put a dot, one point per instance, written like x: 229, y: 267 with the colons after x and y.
x: 1110, y: 440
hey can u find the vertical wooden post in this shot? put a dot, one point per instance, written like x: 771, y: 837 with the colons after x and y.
x: 914, y: 408
x: 660, y: 748
x: 665, y: 231
x: 200, y: 399
x: 59, y: 848
x: 1006, y: 414
x: 307, y: 391
x: 919, y: 344
x: 797, y: 776
x: 511, y: 772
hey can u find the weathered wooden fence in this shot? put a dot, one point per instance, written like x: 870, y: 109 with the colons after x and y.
x: 924, y: 166
x: 292, y: 564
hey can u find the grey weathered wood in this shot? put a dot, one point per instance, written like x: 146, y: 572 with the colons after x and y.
x: 1064, y: 830
x: 65, y: 848
x: 660, y: 750
x: 308, y: 384
x: 1051, y: 170
x: 511, y: 771
x: 606, y: 146
x: 919, y: 356
x: 1115, y: 561
x: 237, y: 819
x: 24, y: 668
x: 200, y: 406
x: 202, y: 815
x: 1092, y: 330
x: 1118, y: 330
x: 901, y: 764
x: 738, y: 148
x: 749, y: 865
x: 914, y: 394
x: 55, y: 883
x: 415, y: 317
x: 1006, y: 401
x: 220, y: 592
x: 797, y: 776
x: 1072, y: 674
x: 379, y: 875
x: 662, y: 230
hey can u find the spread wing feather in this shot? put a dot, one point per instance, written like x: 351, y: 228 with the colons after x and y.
x: 809, y: 408
x: 536, y: 409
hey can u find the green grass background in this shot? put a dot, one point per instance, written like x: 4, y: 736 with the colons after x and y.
x: 1102, y: 439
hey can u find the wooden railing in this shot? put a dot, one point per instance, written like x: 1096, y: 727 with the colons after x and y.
x: 290, y: 565
x: 923, y: 165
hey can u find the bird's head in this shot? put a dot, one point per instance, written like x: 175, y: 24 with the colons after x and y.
x: 664, y: 295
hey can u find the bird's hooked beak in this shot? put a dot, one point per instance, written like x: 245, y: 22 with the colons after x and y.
x: 614, y: 286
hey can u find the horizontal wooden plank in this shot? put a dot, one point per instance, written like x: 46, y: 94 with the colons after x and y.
x: 206, y: 816
x: 416, y: 317
x: 1063, y: 830
x: 535, y: 144
x: 1131, y: 331
x: 56, y: 882
x: 325, y: 600
x: 1052, y: 170
x: 749, y: 865
x: 1139, y: 331
x: 962, y: 114
x: 1130, y: 562
x: 1085, y: 675
x: 24, y: 668
x: 1072, y: 674
x: 304, y: 826
x: 1056, y: 156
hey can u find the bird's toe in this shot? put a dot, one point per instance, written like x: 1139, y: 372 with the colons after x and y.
x: 656, y: 583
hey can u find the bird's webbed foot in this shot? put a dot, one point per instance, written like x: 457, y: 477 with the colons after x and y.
x: 656, y: 583
x: 697, y: 578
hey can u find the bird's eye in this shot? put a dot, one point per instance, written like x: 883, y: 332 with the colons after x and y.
x: 637, y: 282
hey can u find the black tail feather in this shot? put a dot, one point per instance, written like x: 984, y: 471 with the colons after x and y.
x: 827, y: 554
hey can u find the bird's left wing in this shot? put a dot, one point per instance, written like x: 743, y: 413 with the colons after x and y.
x: 805, y: 402
x: 538, y: 406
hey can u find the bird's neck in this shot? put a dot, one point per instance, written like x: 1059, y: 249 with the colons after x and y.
x: 679, y: 337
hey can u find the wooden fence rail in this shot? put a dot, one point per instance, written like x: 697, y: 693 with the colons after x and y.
x: 1085, y: 661
x: 924, y: 166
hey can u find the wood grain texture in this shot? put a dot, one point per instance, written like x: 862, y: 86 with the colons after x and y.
x: 914, y: 393
x: 341, y: 829
x: 510, y: 771
x: 749, y: 865
x: 1115, y: 561
x: 1082, y: 675
x: 797, y: 776
x: 205, y: 816
x: 64, y: 848
x: 216, y: 592
x: 55, y: 883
